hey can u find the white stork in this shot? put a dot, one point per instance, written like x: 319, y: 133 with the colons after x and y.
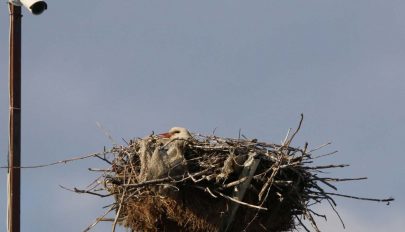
x: 167, y: 159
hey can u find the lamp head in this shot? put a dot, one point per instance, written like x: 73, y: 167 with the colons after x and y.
x: 35, y: 6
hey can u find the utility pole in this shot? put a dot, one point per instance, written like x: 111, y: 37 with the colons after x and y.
x: 14, y: 156
x: 14, y: 171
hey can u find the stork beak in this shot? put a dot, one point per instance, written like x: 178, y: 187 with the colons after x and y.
x: 165, y: 135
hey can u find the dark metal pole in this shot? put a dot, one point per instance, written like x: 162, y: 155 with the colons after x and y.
x: 14, y: 174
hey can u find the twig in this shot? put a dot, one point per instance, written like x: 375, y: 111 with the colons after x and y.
x: 269, y: 182
x: 118, y: 211
x: 241, y: 202
x: 296, y: 131
x: 317, y: 214
x: 327, y: 154
x: 324, y: 182
x: 234, y: 183
x: 104, y: 159
x: 336, y: 212
x: 328, y: 166
x: 319, y: 147
x: 361, y: 198
x: 99, y: 219
x: 75, y: 190
x: 312, y: 221
x: 284, y: 142
x: 60, y: 162
x: 302, y: 224
x: 343, y: 179
x: 106, y: 132
x: 99, y: 170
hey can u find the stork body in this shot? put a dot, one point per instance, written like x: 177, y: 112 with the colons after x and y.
x: 168, y: 158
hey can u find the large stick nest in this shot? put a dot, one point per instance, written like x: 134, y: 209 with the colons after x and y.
x: 200, y: 198
x: 219, y: 184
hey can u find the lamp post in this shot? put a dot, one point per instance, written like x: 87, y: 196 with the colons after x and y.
x: 14, y: 156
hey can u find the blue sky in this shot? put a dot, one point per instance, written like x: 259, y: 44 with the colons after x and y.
x: 142, y: 66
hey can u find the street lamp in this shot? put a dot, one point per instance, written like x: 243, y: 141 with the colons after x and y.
x: 14, y: 156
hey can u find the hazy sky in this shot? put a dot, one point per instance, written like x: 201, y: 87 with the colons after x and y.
x: 142, y: 66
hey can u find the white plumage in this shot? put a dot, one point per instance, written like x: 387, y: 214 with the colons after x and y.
x: 166, y: 159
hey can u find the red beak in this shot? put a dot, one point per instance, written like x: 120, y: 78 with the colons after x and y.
x: 165, y: 135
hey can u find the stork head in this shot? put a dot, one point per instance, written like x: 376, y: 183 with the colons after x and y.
x: 177, y: 133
